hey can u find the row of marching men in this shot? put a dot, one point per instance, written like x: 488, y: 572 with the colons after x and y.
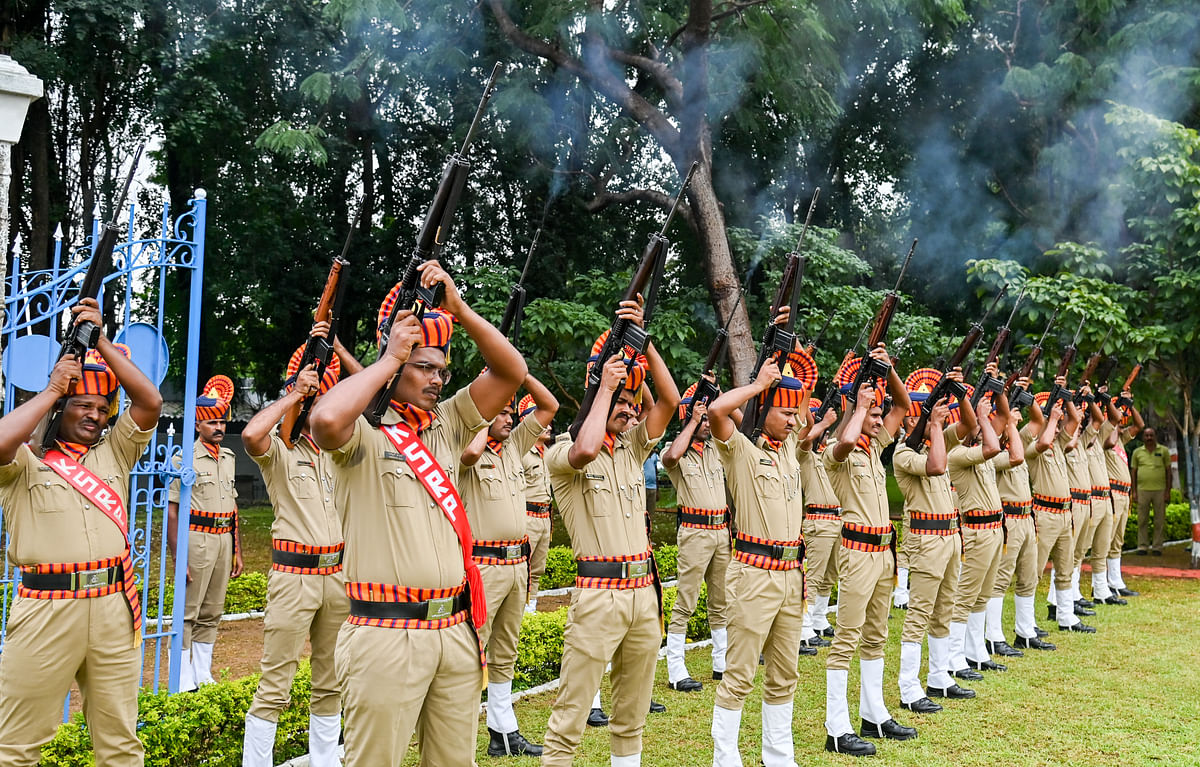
x: 403, y: 550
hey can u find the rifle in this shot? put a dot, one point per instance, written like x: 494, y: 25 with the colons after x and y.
x: 986, y: 382
x: 430, y: 240
x: 831, y: 389
x: 1133, y: 374
x: 1102, y: 375
x: 319, y: 350
x: 1058, y: 392
x: 1089, y: 370
x: 1023, y: 398
x: 872, y: 369
x: 810, y: 346
x: 516, y: 298
x: 706, y: 390
x: 624, y: 334
x: 946, y: 385
x: 79, y: 337
x: 778, y: 341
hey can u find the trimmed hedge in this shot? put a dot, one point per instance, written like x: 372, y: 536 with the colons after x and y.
x: 1178, y: 525
x: 560, y: 566
x: 246, y: 593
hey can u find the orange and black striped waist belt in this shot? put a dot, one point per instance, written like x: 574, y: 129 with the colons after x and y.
x: 79, y: 580
x: 631, y: 571
x: 1118, y: 487
x: 1081, y: 495
x: 1100, y: 493
x: 510, y: 552
x: 702, y: 519
x: 216, y: 524
x: 923, y: 523
x: 827, y: 511
x: 1052, y: 504
x: 539, y: 510
x: 866, y: 538
x: 983, y: 519
x: 299, y: 559
x: 1017, y: 508
x: 389, y: 606
x: 768, y: 554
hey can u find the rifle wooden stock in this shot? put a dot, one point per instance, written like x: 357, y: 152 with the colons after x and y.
x: 1133, y: 374
x: 317, y: 349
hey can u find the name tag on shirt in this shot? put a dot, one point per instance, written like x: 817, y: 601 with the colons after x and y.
x: 766, y: 461
x: 388, y: 455
x: 597, y: 477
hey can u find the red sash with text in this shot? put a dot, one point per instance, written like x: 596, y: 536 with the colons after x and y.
x: 433, y: 478
x: 95, y: 490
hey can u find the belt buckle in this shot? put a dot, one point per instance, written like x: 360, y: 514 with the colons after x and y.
x: 639, y: 569
x: 885, y: 539
x: 329, y: 559
x: 513, y: 552
x: 89, y: 579
x: 223, y: 522
x: 789, y: 553
x: 440, y: 608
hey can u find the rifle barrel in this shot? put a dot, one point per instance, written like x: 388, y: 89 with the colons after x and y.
x: 904, y: 266
x: 479, y: 110
x: 678, y: 198
x: 1016, y: 305
x: 529, y: 256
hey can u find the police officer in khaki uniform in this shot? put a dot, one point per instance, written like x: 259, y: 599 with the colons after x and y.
x: 614, y: 613
x: 67, y: 546
x: 703, y: 538
x: 1080, y: 479
x: 982, y: 517
x: 407, y: 658
x: 1114, y: 433
x: 1102, y: 508
x: 537, y: 505
x: 306, y: 592
x: 933, y: 543
x: 822, y: 524
x: 493, y: 490
x: 866, y: 563
x: 214, y: 540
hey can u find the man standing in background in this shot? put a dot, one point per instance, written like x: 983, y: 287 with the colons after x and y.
x: 1150, y: 468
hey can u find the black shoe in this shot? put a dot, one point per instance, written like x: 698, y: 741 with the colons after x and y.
x: 1129, y: 593
x: 1080, y: 627
x: 1084, y: 611
x: 761, y: 661
x: 1142, y: 552
x: 1112, y: 600
x: 968, y: 674
x: 657, y: 708
x: 953, y: 692
x: 1157, y: 552
x: 828, y: 631
x: 1034, y: 644
x: 901, y: 607
x: 687, y: 684
x: 817, y: 641
x: 718, y: 676
x: 1003, y: 649
x: 891, y: 729
x: 1041, y: 632
x: 922, y: 706
x: 849, y: 744
x: 986, y: 665
x: 511, y: 744
x: 597, y: 718
x: 1051, y: 613
x: 1084, y: 603
x: 806, y: 650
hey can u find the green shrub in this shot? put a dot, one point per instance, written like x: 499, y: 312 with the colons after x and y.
x: 560, y: 568
x: 540, y: 648
x: 667, y: 557
x: 1178, y: 525
x: 199, y: 728
x: 697, y: 628
x: 246, y: 593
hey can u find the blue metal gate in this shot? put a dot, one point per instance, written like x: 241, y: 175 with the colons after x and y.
x: 145, y: 270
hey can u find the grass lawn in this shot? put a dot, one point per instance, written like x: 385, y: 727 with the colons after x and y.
x: 1123, y: 696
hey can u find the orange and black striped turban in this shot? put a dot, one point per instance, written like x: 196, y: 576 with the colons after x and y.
x: 637, y: 371
x: 332, y: 372
x: 436, y: 325
x: 213, y: 403
x: 98, y: 378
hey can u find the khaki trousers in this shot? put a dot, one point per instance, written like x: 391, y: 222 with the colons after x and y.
x: 822, y: 539
x: 399, y: 681
x: 1055, y: 543
x: 210, y: 558
x: 933, y: 562
x: 977, y: 579
x: 51, y: 642
x: 765, y: 618
x: 1020, y: 557
x: 1120, y: 503
x: 538, y: 530
x: 604, y: 625
x: 703, y: 558
x: 1156, y: 501
x: 865, y: 581
x: 1102, y: 521
x: 1083, y: 526
x: 901, y: 549
x: 504, y: 587
x: 300, y: 607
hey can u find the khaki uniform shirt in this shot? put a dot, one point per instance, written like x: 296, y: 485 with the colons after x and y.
x: 213, y: 492
x: 1078, y: 475
x: 300, y: 483
x: 923, y: 493
x: 604, y: 504
x: 974, y: 478
x: 1114, y: 457
x: 1047, y: 470
x: 860, y: 483
x: 537, y: 480
x: 1097, y: 468
x: 765, y: 485
x: 814, y: 480
x: 1013, y: 481
x: 48, y: 521
x: 699, y: 479
x: 493, y: 490
x: 395, y: 533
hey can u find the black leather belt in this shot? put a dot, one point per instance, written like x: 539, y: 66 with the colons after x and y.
x: 429, y: 610
x: 79, y: 580
x: 307, y: 561
x: 515, y: 551
x: 982, y: 519
x: 688, y: 518
x: 1077, y: 495
x: 782, y: 552
x: 948, y: 523
x: 836, y: 511
x: 539, y: 508
x: 870, y: 539
x: 1047, y: 503
x: 1016, y: 509
x: 638, y: 568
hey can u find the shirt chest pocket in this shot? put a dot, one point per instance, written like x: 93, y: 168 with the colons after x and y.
x: 399, y: 487
x: 491, y: 481
x: 599, y: 499
x: 302, y: 480
x: 204, y: 490
x: 49, y: 494
x: 767, y: 482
